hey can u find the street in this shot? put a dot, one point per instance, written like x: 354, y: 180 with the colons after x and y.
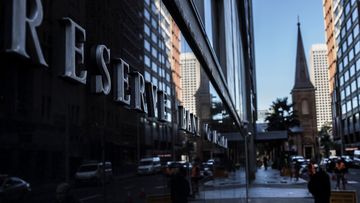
x: 129, y: 189
x: 133, y: 188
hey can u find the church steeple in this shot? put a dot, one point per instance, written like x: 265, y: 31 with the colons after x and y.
x: 302, y: 77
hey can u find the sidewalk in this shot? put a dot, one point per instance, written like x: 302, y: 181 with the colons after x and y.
x: 268, y: 186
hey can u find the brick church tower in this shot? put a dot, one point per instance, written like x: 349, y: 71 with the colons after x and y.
x: 303, y: 97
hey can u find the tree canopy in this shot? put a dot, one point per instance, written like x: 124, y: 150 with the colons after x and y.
x: 282, y: 115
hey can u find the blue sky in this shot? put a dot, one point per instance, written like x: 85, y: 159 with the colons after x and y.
x: 275, y: 29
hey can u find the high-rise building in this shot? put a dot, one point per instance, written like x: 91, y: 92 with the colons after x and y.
x: 332, y: 29
x: 345, y: 100
x: 320, y: 79
x: 330, y: 41
x: 190, y: 80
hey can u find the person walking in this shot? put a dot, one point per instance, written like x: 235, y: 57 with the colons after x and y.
x: 179, y: 187
x: 265, y: 162
x: 340, y: 170
x: 195, y: 177
x: 319, y: 185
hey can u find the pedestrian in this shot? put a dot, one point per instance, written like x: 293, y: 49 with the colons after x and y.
x: 297, y: 170
x: 195, y: 177
x: 64, y: 194
x: 311, y: 170
x: 179, y: 187
x: 340, y: 170
x: 294, y: 173
x: 319, y: 185
x: 265, y: 162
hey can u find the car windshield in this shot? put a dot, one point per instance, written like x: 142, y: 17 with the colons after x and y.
x: 145, y: 163
x: 88, y: 168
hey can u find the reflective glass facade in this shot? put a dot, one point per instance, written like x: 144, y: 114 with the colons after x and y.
x: 348, y: 64
x: 102, y: 96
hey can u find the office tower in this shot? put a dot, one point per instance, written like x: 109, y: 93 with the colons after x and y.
x: 345, y: 101
x: 190, y: 80
x: 320, y: 79
x: 330, y: 41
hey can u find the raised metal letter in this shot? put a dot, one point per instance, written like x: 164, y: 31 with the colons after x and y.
x: 75, y: 37
x: 151, y: 98
x: 137, y: 92
x: 101, y: 84
x: 15, y: 32
x: 121, y: 81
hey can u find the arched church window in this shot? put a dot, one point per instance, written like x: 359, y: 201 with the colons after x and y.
x: 305, y: 107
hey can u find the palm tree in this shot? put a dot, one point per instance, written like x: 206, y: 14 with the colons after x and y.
x: 282, y: 116
x: 326, y: 142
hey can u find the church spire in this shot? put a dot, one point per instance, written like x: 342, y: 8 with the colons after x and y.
x: 302, y: 77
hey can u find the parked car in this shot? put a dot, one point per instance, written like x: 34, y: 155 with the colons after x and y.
x: 173, y: 166
x: 206, y: 170
x: 92, y: 172
x: 324, y: 163
x: 347, y: 161
x: 13, y: 189
x: 356, y: 159
x: 149, y: 165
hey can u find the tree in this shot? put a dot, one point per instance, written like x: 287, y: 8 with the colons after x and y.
x: 282, y: 116
x: 326, y: 143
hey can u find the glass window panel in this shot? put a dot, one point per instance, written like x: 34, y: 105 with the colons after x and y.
x: 147, y: 61
x: 357, y: 47
x: 346, y: 76
x: 342, y: 95
x: 147, y: 29
x: 342, y: 81
x: 353, y: 86
x: 168, y: 90
x: 351, y: 55
x: 358, y: 64
x: 146, y: 14
x: 352, y: 70
x: 147, y: 76
x: 349, y: 39
x: 347, y: 9
x: 344, y: 47
x: 356, y: 30
x: 354, y: 15
x: 153, y: 8
x: 348, y: 106
x: 345, y: 61
x: 355, y: 101
x: 154, y: 23
x: 154, y: 52
x: 155, y: 81
x: 146, y: 45
x: 154, y: 67
x: 343, y: 32
x: 348, y: 24
x: 347, y: 91
x: 154, y: 38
